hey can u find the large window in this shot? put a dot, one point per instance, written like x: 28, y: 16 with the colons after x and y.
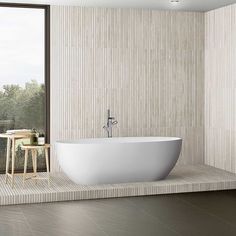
x: 23, y: 77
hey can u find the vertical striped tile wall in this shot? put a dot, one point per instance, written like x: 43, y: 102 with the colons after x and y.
x: 220, y: 88
x: 146, y: 66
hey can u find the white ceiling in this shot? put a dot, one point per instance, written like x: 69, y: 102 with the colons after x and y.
x: 184, y: 5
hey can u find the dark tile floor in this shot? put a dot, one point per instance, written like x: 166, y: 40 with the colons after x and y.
x: 190, y: 214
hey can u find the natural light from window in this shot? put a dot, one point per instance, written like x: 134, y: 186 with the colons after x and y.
x: 22, y: 73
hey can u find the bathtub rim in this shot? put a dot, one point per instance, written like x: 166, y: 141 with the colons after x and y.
x: 120, y: 140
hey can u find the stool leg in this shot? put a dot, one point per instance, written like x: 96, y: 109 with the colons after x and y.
x: 13, y: 162
x: 34, y: 161
x: 47, y: 165
x: 25, y: 166
x: 32, y: 155
x: 8, y: 157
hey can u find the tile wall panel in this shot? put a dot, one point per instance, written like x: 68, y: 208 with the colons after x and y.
x: 147, y: 66
x: 220, y: 88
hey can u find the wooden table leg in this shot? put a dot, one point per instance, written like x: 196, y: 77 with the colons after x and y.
x: 47, y: 165
x: 8, y: 157
x: 25, y: 166
x: 13, y: 162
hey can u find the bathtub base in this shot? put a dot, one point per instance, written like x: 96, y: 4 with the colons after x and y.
x: 181, y: 179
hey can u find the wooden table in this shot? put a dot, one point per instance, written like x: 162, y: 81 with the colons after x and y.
x: 34, y: 149
x: 11, y: 139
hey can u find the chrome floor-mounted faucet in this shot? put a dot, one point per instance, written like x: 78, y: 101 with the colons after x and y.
x: 110, y: 123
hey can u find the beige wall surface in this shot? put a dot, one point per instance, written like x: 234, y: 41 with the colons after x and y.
x: 220, y: 88
x: 146, y: 66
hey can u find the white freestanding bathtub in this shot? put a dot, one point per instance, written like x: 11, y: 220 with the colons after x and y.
x: 118, y: 160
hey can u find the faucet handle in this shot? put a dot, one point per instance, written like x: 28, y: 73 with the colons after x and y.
x: 115, y: 122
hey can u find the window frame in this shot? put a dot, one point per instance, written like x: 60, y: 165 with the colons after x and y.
x: 46, y: 9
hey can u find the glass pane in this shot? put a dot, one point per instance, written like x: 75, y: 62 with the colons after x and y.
x: 22, y: 88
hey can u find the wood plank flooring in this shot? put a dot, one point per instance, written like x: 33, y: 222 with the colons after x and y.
x: 188, y: 214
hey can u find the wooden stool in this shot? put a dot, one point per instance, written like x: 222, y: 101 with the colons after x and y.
x: 34, y: 152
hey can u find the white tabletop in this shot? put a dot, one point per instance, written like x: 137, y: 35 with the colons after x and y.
x: 14, y: 136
